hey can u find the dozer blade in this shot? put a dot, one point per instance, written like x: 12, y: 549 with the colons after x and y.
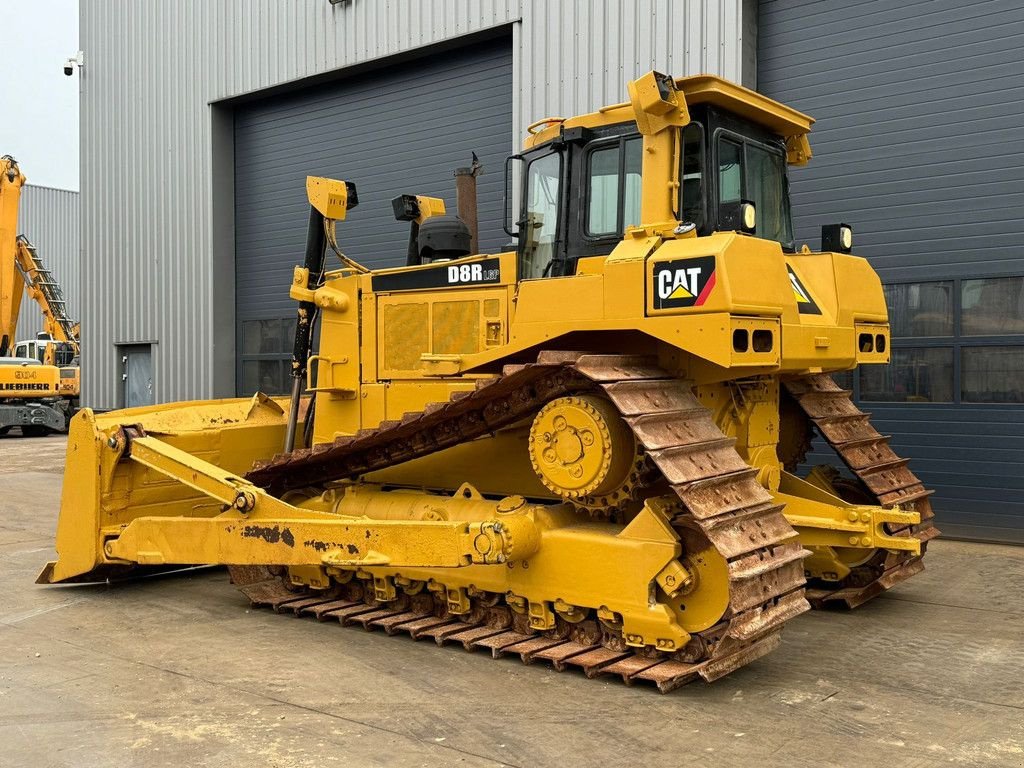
x: 164, y: 500
x: 101, y: 492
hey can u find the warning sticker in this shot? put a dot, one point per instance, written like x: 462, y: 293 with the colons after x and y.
x: 683, y: 282
x: 804, y: 302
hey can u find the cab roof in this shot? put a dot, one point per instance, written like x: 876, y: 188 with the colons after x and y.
x: 698, y: 89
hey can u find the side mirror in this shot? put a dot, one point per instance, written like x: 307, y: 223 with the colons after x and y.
x: 508, y: 193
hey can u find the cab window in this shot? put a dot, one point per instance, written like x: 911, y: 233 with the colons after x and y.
x: 756, y: 172
x: 691, y: 176
x: 730, y: 171
x: 613, y: 187
x: 540, y: 221
x: 766, y: 177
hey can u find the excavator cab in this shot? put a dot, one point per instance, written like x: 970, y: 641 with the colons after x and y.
x: 48, y: 350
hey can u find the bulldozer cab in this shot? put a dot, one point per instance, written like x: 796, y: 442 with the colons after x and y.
x: 582, y: 179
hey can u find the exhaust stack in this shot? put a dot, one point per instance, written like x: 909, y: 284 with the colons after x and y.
x: 465, y: 196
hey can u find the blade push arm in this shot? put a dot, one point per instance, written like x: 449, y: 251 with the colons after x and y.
x: 257, y: 528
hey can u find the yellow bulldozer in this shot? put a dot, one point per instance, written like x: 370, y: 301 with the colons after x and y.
x: 584, y: 451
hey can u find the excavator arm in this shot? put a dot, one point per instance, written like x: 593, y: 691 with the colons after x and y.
x: 12, y: 281
x: 46, y: 292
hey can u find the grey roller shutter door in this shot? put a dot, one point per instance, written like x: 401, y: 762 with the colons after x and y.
x: 919, y: 145
x: 400, y: 129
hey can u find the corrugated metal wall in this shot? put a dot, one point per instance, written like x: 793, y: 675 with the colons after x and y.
x: 49, y: 218
x: 918, y: 146
x: 153, y: 69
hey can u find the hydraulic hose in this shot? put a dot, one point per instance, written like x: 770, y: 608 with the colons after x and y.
x: 316, y: 253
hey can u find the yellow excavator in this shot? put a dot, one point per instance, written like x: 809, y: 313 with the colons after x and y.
x: 584, y: 451
x: 39, y: 378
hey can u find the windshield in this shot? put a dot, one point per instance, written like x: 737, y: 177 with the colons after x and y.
x: 749, y: 171
x: 540, y: 222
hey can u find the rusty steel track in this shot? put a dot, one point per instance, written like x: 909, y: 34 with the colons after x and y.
x: 720, y: 502
x: 885, y: 479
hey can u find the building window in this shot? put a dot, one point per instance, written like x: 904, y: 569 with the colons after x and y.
x: 266, y: 355
x: 992, y: 306
x: 920, y: 309
x: 992, y: 374
x: 844, y: 379
x: 953, y: 341
x: 914, y: 375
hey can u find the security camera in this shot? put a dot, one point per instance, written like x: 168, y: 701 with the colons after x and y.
x: 75, y: 61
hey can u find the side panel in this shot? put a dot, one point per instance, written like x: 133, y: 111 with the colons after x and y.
x: 439, y: 325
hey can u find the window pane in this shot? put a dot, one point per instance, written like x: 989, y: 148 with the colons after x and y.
x: 920, y: 309
x: 263, y: 376
x: 992, y: 374
x: 766, y: 188
x: 730, y: 171
x: 844, y: 379
x: 992, y: 306
x: 692, y: 175
x: 271, y: 337
x: 541, y: 220
x: 250, y: 378
x: 250, y: 337
x: 915, y: 375
x: 603, y: 212
x: 288, y: 334
x: 633, y: 161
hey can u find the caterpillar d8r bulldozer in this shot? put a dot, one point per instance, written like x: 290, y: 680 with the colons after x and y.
x: 583, y: 451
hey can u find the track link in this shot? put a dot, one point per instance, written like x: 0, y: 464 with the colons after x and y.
x: 885, y: 478
x: 720, y: 502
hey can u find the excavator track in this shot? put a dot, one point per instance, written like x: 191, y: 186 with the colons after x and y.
x: 719, y: 502
x: 885, y: 479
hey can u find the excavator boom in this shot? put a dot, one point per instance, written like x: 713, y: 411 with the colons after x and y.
x: 12, y: 281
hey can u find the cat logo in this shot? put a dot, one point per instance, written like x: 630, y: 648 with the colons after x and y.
x: 804, y: 302
x: 683, y: 282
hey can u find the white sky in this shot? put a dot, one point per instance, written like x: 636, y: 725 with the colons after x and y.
x: 39, y: 121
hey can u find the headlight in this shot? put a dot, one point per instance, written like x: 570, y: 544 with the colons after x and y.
x: 749, y: 216
x: 837, y: 238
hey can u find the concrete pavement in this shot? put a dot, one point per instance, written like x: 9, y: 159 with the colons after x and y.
x: 178, y: 671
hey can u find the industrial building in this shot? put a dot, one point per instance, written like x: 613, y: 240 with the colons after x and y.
x: 200, y: 122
